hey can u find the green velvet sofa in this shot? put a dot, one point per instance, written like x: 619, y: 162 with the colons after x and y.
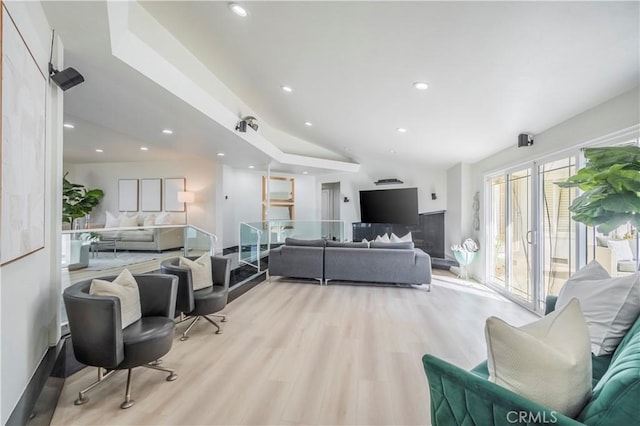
x: 460, y: 397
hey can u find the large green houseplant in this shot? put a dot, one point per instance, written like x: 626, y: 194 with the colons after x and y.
x: 77, y: 200
x: 611, y: 185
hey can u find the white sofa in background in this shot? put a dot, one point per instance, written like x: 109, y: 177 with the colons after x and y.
x: 165, y: 237
x: 618, y: 257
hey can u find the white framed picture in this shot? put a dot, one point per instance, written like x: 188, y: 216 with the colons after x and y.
x: 151, y: 195
x: 128, y: 195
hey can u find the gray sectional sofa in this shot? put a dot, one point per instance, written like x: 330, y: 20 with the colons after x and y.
x: 398, y: 263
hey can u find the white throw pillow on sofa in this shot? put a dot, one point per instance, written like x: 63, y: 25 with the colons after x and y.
x: 382, y: 239
x: 201, y: 276
x: 163, y: 219
x: 621, y: 248
x: 149, y: 220
x: 547, y: 361
x: 610, y: 305
x: 404, y: 239
x: 125, y: 288
x: 128, y: 222
x: 112, y: 221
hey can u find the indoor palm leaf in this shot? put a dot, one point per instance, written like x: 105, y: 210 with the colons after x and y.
x: 611, y: 185
x: 77, y: 200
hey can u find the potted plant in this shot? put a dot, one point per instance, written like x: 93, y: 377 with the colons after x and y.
x: 465, y: 253
x: 611, y: 185
x: 77, y: 200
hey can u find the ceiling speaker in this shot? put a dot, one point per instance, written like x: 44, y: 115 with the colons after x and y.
x: 65, y: 79
x: 524, y: 140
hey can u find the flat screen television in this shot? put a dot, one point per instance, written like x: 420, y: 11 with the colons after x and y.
x: 389, y: 206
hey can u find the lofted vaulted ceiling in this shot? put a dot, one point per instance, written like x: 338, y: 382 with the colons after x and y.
x: 494, y: 69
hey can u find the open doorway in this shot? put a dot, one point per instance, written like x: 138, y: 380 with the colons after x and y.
x: 330, y: 211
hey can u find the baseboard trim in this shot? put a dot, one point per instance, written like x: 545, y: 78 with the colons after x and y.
x: 25, y: 411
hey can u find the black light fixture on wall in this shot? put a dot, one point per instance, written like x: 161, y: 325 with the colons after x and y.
x: 68, y: 77
x: 65, y: 79
x: 247, y: 121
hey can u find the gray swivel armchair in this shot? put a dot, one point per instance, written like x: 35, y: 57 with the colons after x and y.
x: 204, y: 302
x: 97, y: 336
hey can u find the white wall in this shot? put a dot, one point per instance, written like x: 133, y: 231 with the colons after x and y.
x: 200, y: 178
x: 459, y: 211
x: 428, y: 180
x: 610, y: 117
x: 30, y: 290
x: 242, y: 197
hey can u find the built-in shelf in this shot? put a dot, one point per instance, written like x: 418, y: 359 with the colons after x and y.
x: 278, y: 198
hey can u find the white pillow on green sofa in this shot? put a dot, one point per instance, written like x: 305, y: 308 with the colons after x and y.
x: 547, y: 361
x: 610, y: 305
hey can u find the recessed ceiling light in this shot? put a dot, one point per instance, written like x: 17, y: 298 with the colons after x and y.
x: 69, y: 126
x: 221, y: 154
x: 99, y: 150
x: 251, y: 167
x: 238, y: 10
x: 167, y: 131
x: 286, y: 89
x: 420, y: 85
x: 305, y: 173
x: 144, y: 148
x: 401, y: 130
x: 308, y: 123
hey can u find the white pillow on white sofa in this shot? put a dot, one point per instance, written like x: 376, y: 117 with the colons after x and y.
x: 149, y: 220
x: 610, y: 305
x: 622, y: 248
x: 163, y: 219
x: 112, y: 221
x: 547, y: 361
x: 127, y: 222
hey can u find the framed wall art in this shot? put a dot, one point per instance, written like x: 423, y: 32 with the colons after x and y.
x: 22, y: 194
x: 128, y: 195
x: 151, y: 195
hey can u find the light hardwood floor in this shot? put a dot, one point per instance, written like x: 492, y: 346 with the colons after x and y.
x: 298, y: 353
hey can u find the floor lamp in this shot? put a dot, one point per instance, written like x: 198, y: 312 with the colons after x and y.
x: 186, y: 197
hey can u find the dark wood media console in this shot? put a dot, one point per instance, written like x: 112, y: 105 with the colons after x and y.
x: 428, y: 234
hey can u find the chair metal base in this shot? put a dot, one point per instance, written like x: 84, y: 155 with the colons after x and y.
x: 185, y: 335
x: 82, y: 398
x: 128, y: 402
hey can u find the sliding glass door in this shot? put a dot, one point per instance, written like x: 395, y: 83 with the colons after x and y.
x: 532, y: 236
x: 558, y: 232
x: 519, y: 231
x: 510, y: 219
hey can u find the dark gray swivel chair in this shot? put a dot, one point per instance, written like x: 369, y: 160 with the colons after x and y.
x: 203, y: 302
x: 97, y: 336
